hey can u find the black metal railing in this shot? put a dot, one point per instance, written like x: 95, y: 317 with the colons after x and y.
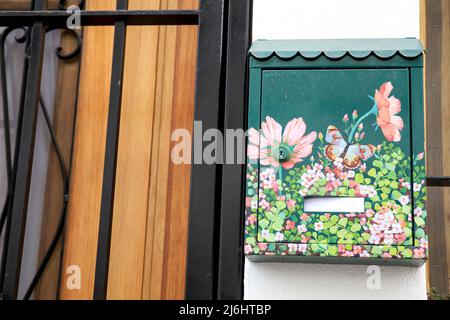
x: 215, y: 260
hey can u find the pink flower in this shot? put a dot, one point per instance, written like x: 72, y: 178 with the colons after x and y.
x: 346, y: 118
x: 419, y: 253
x: 273, y: 146
x: 290, y: 225
x: 304, y: 217
x: 420, y: 156
x: 388, y: 107
x: 248, y: 249
x: 355, y: 114
x: 291, y: 204
x: 251, y: 219
x: 248, y: 202
x: 262, y: 246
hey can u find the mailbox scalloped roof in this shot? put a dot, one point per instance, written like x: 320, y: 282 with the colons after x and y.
x: 336, y: 49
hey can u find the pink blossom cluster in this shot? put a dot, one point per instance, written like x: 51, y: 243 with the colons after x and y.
x: 386, y: 229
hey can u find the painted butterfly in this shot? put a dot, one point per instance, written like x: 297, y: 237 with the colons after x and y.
x: 339, y: 148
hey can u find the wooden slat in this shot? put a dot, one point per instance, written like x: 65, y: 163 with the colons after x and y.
x: 179, y: 176
x: 446, y: 120
x: 160, y: 162
x: 133, y: 169
x: 63, y: 122
x: 435, y: 139
x: 85, y: 195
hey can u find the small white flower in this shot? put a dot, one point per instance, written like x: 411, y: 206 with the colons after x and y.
x: 423, y: 243
x: 418, y: 212
x: 404, y: 200
x: 417, y: 187
x: 279, y: 237
x: 302, y: 248
x: 318, y: 226
x: 301, y: 228
x: 330, y: 177
x: 265, y: 234
x: 351, y: 174
x: 303, y: 192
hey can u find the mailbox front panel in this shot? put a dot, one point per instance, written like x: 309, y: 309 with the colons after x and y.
x: 338, y: 99
x: 334, y: 169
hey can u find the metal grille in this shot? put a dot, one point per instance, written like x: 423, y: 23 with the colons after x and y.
x: 214, y: 265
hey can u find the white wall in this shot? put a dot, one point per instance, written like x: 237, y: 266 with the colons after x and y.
x: 330, y: 19
x: 334, y: 19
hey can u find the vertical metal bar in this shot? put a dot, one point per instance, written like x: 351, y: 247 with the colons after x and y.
x: 112, y: 145
x: 205, y: 180
x: 16, y: 157
x: 231, y: 262
x: 25, y: 160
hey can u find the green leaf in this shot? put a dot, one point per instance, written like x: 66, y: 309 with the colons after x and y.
x: 264, y: 223
x: 390, y: 166
x: 378, y: 164
x: 419, y: 221
x: 367, y: 181
x: 377, y: 251
x: 406, y: 209
x: 396, y: 195
x: 270, y: 216
x: 334, y: 230
x: 355, y: 227
x: 420, y: 233
x: 372, y: 173
x: 332, y: 250
x: 281, y: 205
x: 365, y: 237
x: 394, y: 185
x: 341, y: 233
x: 359, y: 178
x: 343, y: 222
x: 334, y: 219
x: 277, y: 227
x: 407, y: 253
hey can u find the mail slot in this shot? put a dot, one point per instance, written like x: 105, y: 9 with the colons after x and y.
x: 335, y: 151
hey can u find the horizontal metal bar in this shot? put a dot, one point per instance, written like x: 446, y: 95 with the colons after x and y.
x: 101, y: 18
x: 438, y: 181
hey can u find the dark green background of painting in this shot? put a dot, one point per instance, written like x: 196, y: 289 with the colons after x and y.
x: 323, y: 97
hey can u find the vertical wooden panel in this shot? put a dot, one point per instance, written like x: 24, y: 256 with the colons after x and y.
x: 160, y: 162
x: 85, y: 195
x: 63, y: 123
x: 133, y: 168
x: 179, y: 177
x: 446, y: 119
x: 436, y: 134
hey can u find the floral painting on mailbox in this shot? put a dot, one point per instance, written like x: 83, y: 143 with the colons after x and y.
x: 361, y: 155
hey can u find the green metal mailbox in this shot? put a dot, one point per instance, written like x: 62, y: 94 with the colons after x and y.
x: 336, y: 166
